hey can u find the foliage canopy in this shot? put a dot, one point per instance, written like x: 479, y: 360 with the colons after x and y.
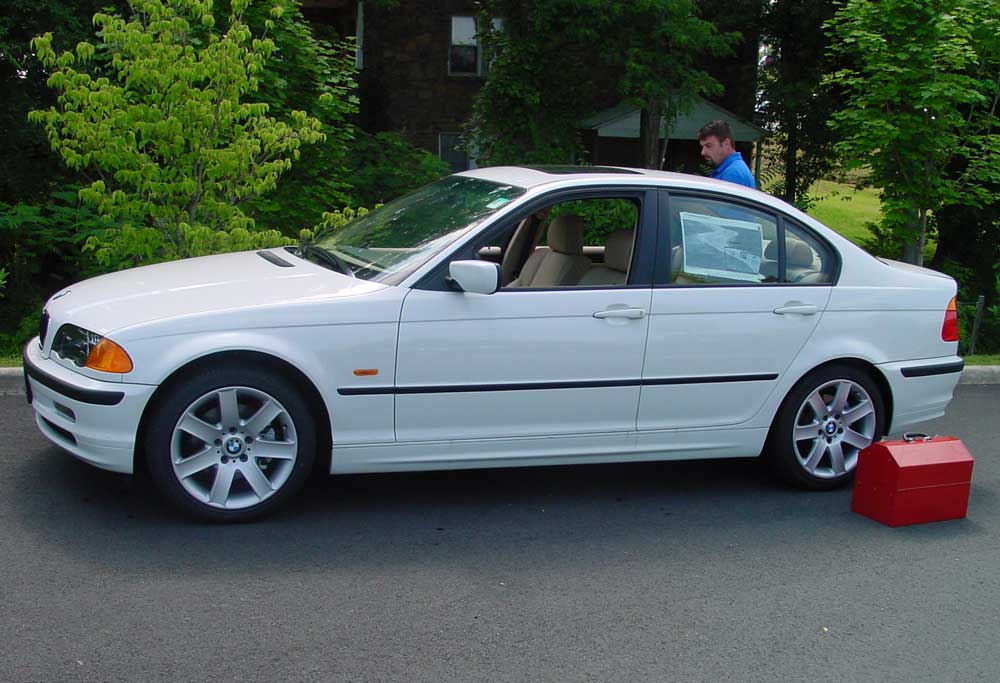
x: 552, y: 61
x: 159, y: 114
x: 921, y: 99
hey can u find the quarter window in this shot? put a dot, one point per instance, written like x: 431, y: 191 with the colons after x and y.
x: 807, y: 260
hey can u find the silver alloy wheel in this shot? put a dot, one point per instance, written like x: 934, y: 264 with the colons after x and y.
x: 832, y: 425
x: 233, y: 447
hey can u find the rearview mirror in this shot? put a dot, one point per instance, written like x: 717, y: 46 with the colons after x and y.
x: 475, y: 277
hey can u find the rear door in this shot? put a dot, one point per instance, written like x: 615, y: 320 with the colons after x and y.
x: 726, y: 319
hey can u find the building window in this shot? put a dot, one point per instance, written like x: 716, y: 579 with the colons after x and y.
x: 465, y: 57
x: 451, y: 151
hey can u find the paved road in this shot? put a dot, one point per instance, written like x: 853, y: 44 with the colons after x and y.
x: 683, y: 571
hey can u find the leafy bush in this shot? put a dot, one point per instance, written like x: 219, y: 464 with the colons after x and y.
x: 163, y: 113
x: 40, y: 249
x: 11, y: 343
x: 600, y: 216
x: 384, y: 166
x: 129, y: 246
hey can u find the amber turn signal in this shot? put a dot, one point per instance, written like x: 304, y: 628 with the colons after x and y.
x: 109, y: 357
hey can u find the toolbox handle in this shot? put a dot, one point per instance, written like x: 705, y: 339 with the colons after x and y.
x: 910, y: 437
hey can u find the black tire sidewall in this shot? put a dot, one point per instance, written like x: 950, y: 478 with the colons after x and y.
x: 182, y: 392
x: 780, y: 451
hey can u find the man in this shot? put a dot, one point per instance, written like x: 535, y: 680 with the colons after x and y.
x: 716, y: 141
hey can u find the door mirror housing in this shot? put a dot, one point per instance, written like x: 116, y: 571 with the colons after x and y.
x: 475, y: 277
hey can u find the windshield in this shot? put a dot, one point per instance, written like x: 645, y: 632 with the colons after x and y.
x: 392, y: 241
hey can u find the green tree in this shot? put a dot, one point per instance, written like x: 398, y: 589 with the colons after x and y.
x: 28, y: 166
x: 553, y: 60
x: 538, y: 86
x: 313, y: 69
x: 795, y: 101
x: 659, y: 46
x: 918, y: 100
x: 159, y: 114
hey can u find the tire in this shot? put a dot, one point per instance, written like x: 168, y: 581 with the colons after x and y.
x: 828, y: 417
x: 231, y: 444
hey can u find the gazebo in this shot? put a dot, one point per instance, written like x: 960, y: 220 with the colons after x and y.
x: 612, y: 136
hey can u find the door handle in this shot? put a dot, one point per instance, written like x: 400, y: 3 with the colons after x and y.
x: 796, y: 308
x: 629, y: 313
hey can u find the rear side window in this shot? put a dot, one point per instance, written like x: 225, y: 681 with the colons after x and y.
x: 717, y: 242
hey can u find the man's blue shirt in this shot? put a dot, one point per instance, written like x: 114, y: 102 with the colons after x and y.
x: 735, y: 170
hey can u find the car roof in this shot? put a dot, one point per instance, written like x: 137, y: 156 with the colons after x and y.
x: 530, y: 177
x: 534, y: 178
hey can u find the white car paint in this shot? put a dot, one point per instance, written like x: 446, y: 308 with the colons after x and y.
x: 327, y: 325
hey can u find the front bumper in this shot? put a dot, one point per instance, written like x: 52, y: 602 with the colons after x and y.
x: 921, y: 389
x: 95, y: 421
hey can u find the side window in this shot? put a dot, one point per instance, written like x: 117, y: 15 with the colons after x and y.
x: 715, y: 242
x: 807, y: 260
x: 578, y: 243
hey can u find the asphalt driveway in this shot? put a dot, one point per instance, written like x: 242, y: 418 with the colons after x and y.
x: 676, y: 571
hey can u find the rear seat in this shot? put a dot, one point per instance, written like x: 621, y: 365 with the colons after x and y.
x: 617, y: 256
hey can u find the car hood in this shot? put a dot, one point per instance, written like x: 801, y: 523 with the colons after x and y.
x: 197, y: 286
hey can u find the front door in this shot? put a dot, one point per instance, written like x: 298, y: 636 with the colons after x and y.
x: 537, y: 358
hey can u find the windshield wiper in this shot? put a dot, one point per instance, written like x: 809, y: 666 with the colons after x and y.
x: 324, y: 257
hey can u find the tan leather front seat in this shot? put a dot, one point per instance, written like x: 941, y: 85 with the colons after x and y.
x: 560, y: 264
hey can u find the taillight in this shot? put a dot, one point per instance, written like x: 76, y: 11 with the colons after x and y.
x: 949, y: 330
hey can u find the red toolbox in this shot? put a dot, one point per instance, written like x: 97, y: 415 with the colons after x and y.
x: 920, y: 479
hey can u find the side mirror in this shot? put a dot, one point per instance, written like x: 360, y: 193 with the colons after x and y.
x: 476, y: 277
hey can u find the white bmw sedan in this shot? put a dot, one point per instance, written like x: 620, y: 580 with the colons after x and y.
x: 500, y: 317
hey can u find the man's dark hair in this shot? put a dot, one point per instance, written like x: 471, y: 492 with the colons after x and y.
x: 719, y: 129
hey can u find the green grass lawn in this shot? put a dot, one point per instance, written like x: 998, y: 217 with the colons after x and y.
x: 10, y: 361
x: 845, y: 209
x: 983, y: 359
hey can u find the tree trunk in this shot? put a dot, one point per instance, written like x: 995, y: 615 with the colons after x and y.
x: 649, y: 135
x: 791, y: 160
x: 916, y: 236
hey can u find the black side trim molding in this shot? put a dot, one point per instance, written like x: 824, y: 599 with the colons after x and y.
x: 535, y: 386
x: 92, y: 396
x: 929, y: 370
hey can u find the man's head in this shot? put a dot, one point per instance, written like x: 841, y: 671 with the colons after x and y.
x: 716, y: 140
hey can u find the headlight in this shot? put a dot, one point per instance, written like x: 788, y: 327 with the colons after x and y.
x: 88, y: 349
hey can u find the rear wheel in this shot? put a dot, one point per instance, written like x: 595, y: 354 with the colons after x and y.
x: 824, y: 423
x: 231, y: 444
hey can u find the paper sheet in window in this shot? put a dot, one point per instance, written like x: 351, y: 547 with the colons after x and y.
x: 721, y: 247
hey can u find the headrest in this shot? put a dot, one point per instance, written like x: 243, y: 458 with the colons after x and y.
x: 618, y: 250
x: 798, y: 254
x: 566, y: 234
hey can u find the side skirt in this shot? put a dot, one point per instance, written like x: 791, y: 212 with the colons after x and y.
x: 547, y: 451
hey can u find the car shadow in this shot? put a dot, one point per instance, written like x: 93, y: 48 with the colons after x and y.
x: 553, y: 514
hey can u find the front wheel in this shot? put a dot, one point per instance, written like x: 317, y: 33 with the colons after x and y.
x: 231, y: 444
x: 823, y: 424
